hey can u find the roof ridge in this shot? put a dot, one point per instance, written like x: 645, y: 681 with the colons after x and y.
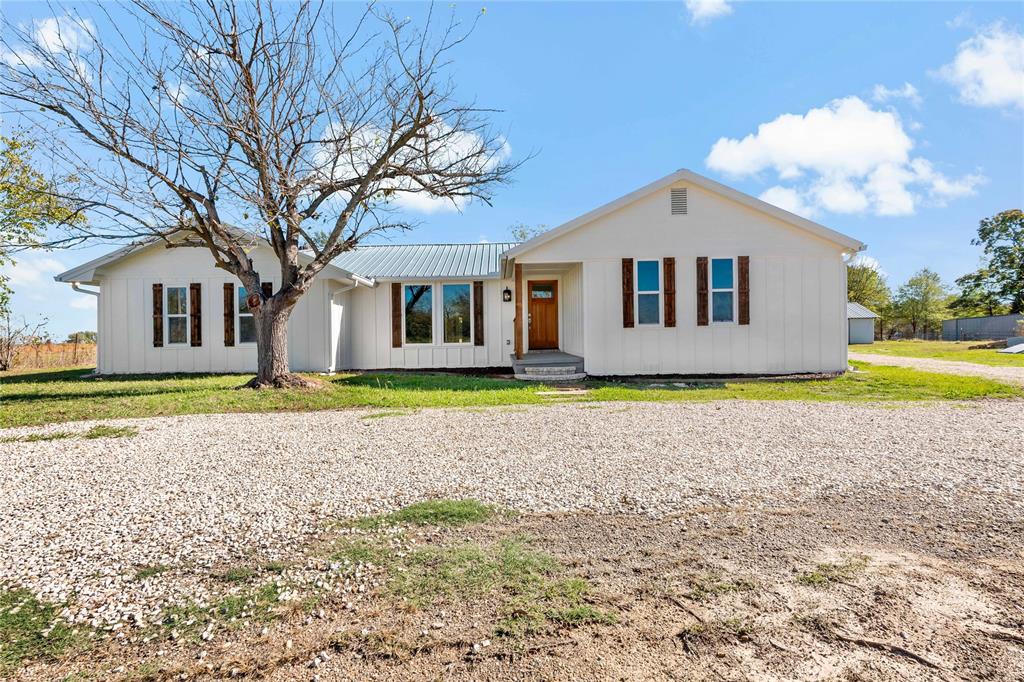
x: 369, y: 246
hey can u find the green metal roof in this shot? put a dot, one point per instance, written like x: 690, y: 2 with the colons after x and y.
x: 425, y: 261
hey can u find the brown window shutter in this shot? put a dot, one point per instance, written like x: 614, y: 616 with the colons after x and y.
x: 158, y: 315
x: 229, y: 314
x: 396, y: 315
x: 478, y: 313
x: 627, y: 293
x: 195, y: 313
x: 669, y: 269
x: 268, y: 289
x: 743, y: 265
x: 702, y: 291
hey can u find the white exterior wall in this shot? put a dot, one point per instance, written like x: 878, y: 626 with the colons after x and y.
x: 125, y: 318
x: 862, y: 330
x: 797, y: 290
x: 370, y: 332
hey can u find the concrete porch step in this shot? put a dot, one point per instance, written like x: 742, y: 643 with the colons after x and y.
x: 551, y: 378
x: 550, y: 369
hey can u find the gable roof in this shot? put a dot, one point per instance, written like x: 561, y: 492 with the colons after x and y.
x: 688, y: 176
x: 425, y: 261
x: 855, y: 311
x: 86, y: 272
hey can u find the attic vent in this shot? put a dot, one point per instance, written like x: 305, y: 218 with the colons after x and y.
x: 679, y: 201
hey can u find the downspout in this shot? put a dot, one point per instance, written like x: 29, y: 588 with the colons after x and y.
x: 78, y: 287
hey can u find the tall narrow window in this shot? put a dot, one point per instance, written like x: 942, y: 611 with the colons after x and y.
x: 648, y: 292
x: 246, y: 320
x: 723, y: 290
x: 419, y: 313
x: 177, y: 315
x: 457, y: 313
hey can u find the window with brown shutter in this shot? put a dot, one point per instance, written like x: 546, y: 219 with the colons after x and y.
x: 229, y: 314
x: 627, y: 293
x: 478, y: 313
x: 669, y: 268
x: 396, y: 315
x: 702, y: 291
x: 158, y: 315
x: 743, y: 265
x: 195, y: 313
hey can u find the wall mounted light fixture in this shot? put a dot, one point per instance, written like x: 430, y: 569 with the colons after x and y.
x: 506, y: 295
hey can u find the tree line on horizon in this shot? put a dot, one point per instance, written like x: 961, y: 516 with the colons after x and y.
x: 917, y: 307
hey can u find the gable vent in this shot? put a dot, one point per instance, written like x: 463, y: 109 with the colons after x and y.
x: 679, y: 201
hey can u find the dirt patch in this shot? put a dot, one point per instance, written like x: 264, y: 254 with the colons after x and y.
x: 842, y: 588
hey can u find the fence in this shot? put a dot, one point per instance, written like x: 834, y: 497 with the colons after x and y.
x: 980, y: 328
x: 42, y: 355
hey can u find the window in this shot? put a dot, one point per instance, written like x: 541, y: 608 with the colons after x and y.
x: 648, y: 292
x: 457, y: 313
x: 542, y: 291
x: 176, y: 316
x: 246, y: 321
x: 419, y: 313
x: 722, y: 290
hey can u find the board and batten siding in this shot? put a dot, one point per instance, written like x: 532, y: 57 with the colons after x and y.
x: 797, y: 290
x: 369, y: 330
x: 125, y: 323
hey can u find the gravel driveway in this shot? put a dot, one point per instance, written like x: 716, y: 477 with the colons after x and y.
x: 80, y: 516
x: 1012, y: 375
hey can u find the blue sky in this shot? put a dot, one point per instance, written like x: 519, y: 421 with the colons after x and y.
x: 899, y: 124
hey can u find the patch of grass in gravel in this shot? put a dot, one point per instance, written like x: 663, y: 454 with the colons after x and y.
x: 31, y: 630
x: 99, y: 431
x: 33, y: 398
x: 104, y: 431
x: 255, y: 605
x: 236, y: 574
x: 150, y: 571
x: 825, y: 574
x: 445, y: 513
x: 707, y: 587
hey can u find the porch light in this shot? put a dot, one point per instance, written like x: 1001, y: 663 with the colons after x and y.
x: 506, y: 295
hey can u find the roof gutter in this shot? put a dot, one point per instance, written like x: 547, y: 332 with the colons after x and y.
x: 78, y: 287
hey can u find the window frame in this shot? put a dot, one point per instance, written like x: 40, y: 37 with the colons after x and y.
x: 433, y: 316
x: 472, y: 307
x: 647, y: 292
x: 238, y: 319
x: 168, y: 315
x: 733, y: 290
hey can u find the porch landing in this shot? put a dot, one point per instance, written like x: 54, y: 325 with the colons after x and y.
x: 548, y: 365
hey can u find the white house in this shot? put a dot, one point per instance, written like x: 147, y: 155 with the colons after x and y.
x: 682, y: 276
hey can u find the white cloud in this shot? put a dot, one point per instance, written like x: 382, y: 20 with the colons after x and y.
x: 867, y: 261
x: 83, y: 302
x: 788, y: 200
x: 65, y: 33
x: 31, y: 272
x: 907, y: 92
x: 703, y: 11
x: 988, y: 69
x: 845, y: 157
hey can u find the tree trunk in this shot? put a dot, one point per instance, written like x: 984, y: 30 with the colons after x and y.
x: 272, y: 371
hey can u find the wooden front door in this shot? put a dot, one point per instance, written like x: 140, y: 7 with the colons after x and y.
x: 543, y: 314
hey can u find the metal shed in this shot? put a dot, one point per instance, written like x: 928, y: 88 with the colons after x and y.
x: 861, y: 322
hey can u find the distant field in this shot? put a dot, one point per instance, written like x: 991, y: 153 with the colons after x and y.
x: 53, y: 355
x: 959, y: 351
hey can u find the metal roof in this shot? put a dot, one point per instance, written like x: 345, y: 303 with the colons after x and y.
x: 425, y: 261
x: 857, y: 311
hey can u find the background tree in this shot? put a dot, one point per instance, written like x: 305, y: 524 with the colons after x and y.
x: 1002, y: 277
x: 81, y: 337
x: 521, y: 232
x: 215, y: 124
x: 979, y: 294
x: 921, y: 302
x: 866, y: 285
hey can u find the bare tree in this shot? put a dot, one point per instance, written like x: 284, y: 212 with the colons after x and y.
x: 229, y: 122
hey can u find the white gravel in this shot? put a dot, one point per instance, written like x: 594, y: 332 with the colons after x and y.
x: 1012, y: 375
x: 80, y: 516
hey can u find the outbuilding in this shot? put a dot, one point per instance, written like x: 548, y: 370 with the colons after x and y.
x: 862, y: 323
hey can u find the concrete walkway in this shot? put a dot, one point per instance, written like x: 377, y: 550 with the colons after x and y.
x: 1010, y: 375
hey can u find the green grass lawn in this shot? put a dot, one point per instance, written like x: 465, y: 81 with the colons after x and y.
x: 43, y: 397
x: 942, y: 350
